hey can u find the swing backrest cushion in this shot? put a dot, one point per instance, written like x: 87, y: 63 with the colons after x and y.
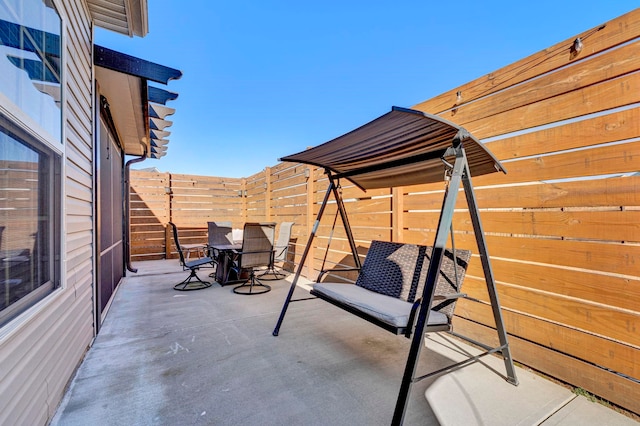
x: 400, y: 270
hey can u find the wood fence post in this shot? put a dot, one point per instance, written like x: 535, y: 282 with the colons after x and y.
x: 397, y: 214
x: 167, y: 232
x: 310, y: 217
x: 267, y: 194
x: 169, y: 194
x: 167, y: 241
x: 243, y: 191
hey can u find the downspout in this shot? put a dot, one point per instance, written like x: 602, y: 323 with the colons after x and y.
x: 127, y: 205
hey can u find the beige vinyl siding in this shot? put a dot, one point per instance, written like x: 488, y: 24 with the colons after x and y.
x: 48, y: 343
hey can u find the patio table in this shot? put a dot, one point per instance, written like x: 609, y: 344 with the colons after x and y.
x: 224, y: 259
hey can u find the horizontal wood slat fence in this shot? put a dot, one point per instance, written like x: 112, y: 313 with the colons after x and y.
x: 562, y: 227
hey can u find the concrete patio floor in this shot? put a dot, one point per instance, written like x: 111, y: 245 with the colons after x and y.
x: 165, y: 357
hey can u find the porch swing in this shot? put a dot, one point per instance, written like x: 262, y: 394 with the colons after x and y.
x: 401, y: 148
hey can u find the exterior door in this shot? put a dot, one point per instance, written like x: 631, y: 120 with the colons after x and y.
x: 110, y: 218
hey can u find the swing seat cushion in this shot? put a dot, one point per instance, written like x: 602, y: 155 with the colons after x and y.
x: 388, y: 309
x: 392, y: 278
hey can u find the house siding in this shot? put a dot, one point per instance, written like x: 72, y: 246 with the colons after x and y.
x: 46, y: 344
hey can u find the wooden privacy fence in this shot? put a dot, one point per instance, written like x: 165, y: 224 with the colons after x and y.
x: 562, y: 227
x: 189, y: 201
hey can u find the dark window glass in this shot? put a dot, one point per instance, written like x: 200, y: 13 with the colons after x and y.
x: 30, y: 160
x: 29, y: 222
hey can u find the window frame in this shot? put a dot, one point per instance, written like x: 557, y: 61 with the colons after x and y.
x: 51, y: 186
x: 23, y: 127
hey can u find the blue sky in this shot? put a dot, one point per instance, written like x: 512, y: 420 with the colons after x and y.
x: 264, y: 79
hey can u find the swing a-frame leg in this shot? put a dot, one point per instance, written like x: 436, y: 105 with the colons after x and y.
x: 460, y: 175
x: 333, y: 188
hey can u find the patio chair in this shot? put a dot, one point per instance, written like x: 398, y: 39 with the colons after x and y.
x: 257, y: 251
x: 280, y: 252
x: 219, y: 233
x: 192, y: 266
x: 199, y: 249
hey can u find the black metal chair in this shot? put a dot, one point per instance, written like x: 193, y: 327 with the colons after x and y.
x: 257, y: 251
x: 280, y: 252
x: 192, y: 266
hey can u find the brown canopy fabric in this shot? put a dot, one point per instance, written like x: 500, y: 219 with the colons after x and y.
x: 400, y: 148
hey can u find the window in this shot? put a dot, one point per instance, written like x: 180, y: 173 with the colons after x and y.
x: 30, y: 61
x: 30, y: 160
x: 29, y: 222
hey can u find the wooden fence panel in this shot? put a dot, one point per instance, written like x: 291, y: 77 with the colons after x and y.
x: 615, y: 126
x: 188, y: 201
x: 149, y: 197
x: 596, y: 193
x: 596, y: 40
x: 561, y: 225
x: 603, y: 160
x: 601, y: 381
x: 592, y: 78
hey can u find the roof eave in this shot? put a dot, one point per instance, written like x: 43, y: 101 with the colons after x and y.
x: 129, y: 17
x: 136, y: 107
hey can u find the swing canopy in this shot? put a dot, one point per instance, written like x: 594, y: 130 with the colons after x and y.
x: 400, y: 148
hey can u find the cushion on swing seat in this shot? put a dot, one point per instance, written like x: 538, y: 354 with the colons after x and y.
x: 392, y: 278
x: 387, y: 309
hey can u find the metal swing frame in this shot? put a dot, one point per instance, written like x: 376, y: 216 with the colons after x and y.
x: 460, y: 177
